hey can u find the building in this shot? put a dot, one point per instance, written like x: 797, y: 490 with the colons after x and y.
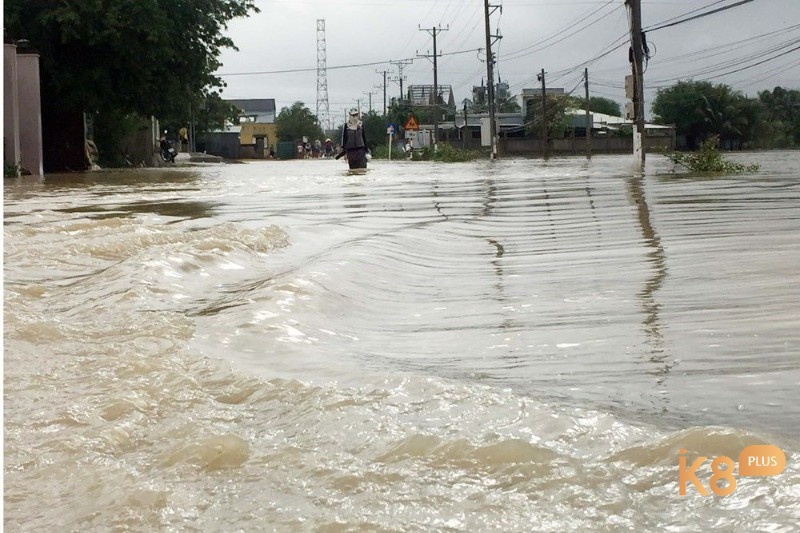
x: 529, y: 97
x: 657, y: 136
x: 422, y: 95
x: 257, y: 119
x: 251, y: 138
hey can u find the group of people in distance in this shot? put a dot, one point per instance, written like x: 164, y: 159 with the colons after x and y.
x: 315, y: 150
x: 353, y: 144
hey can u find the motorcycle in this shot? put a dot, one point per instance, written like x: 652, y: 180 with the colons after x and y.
x: 167, y: 151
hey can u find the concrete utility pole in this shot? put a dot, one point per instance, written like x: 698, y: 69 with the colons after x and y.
x: 544, y: 115
x: 369, y: 94
x: 588, y: 115
x: 433, y: 31
x: 490, y: 77
x: 638, y: 78
x: 385, y: 72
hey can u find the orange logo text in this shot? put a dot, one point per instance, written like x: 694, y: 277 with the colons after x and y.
x: 754, y: 460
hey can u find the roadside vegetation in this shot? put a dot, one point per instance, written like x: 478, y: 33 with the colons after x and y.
x: 709, y: 159
x: 120, y: 62
x: 447, y: 154
x: 701, y: 111
x: 10, y: 170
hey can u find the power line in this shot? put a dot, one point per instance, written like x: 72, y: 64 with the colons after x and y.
x: 701, y: 15
x: 616, y: 45
x: 769, y: 74
x: 338, y: 67
x: 709, y: 71
x: 755, y: 64
x: 701, y: 8
x: 536, y: 47
x: 720, y: 49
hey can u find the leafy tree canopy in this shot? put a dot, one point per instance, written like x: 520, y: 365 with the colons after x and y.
x: 399, y: 111
x: 136, y: 56
x: 509, y: 105
x: 700, y: 110
x: 599, y: 104
x: 695, y: 107
x: 296, y: 122
x: 782, y: 107
x: 556, y: 119
x: 375, y: 129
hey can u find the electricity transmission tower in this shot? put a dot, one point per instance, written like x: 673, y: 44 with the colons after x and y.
x: 323, y: 111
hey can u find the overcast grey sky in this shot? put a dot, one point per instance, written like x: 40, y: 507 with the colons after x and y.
x: 560, y: 36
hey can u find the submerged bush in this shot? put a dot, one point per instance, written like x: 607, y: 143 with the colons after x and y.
x: 382, y: 152
x: 11, y: 170
x: 709, y: 159
x: 447, y: 154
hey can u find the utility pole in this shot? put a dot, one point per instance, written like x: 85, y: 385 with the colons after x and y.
x: 370, y: 99
x: 490, y: 76
x: 544, y: 116
x: 588, y: 115
x: 466, y: 129
x: 637, y: 61
x: 400, y: 66
x: 434, y: 31
x: 384, y: 88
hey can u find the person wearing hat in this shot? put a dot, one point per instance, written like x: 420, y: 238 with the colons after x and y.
x: 354, y: 141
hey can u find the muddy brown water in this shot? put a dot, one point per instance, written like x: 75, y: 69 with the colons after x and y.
x: 516, y: 346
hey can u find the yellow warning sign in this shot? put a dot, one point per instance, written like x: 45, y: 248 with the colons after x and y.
x: 411, y: 124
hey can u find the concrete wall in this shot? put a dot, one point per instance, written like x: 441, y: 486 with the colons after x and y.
x: 10, y: 106
x: 577, y: 145
x: 30, y: 112
x: 250, y: 129
x: 222, y: 144
x: 22, y: 109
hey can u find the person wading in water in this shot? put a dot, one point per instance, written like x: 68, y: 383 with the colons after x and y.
x: 354, y: 141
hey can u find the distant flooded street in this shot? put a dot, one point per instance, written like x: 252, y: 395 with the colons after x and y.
x: 517, y: 346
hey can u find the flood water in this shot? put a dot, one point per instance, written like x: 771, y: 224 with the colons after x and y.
x: 512, y: 346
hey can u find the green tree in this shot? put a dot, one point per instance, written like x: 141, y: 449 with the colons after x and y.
x: 375, y: 129
x: 213, y: 113
x: 120, y: 57
x: 399, y: 112
x: 294, y: 123
x: 556, y: 106
x: 752, y: 120
x: 682, y: 105
x: 700, y: 110
x: 599, y: 104
x: 722, y: 112
x: 782, y: 108
x: 509, y: 105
